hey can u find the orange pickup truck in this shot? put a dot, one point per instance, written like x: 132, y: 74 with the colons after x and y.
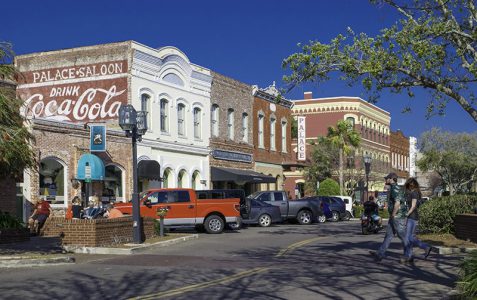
x: 184, y: 209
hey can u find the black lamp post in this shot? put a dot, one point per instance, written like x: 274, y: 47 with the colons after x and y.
x: 135, y: 125
x: 367, y: 167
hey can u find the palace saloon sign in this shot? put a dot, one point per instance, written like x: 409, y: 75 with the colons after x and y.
x: 77, y: 94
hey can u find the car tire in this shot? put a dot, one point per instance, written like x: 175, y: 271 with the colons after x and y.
x: 322, y: 219
x: 304, y: 217
x: 214, y: 224
x: 335, y: 216
x: 264, y: 220
x: 347, y: 216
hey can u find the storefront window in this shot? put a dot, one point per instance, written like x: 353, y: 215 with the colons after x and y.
x: 112, y: 185
x: 52, y: 181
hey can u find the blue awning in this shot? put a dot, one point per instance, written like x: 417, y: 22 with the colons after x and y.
x: 90, y: 167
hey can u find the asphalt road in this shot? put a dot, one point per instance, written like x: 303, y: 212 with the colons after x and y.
x: 320, y: 261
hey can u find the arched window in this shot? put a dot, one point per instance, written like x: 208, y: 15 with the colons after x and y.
x: 113, y: 184
x: 181, y: 119
x: 196, y: 180
x: 164, y: 115
x: 273, y: 122
x: 167, y: 178
x: 197, y: 123
x: 350, y: 120
x: 260, y: 130
x: 52, y: 181
x: 245, y: 127
x: 182, y: 179
x: 230, y: 123
x: 146, y: 106
x: 284, y: 136
x: 214, y: 120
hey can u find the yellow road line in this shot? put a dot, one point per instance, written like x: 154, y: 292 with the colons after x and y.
x: 296, y: 245
x: 201, y: 285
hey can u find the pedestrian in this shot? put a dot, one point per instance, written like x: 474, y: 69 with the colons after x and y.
x: 40, y: 214
x: 413, y: 194
x: 397, y: 209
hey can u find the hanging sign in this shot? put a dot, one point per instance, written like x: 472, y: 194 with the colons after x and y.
x: 97, y: 141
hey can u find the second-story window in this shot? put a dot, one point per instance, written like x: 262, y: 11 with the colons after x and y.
x: 245, y: 127
x: 230, y: 124
x: 273, y: 122
x: 164, y: 115
x: 145, y: 106
x: 260, y: 131
x: 214, y: 120
x: 197, y: 123
x: 284, y: 136
x: 181, y: 119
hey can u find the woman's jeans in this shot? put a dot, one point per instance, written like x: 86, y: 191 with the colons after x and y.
x: 412, y: 239
x: 396, y: 226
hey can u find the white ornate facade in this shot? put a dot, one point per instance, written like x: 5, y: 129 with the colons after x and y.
x: 176, y: 94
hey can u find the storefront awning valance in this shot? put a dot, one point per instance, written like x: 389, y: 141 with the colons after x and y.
x: 239, y: 176
x: 90, y: 167
x: 149, y: 169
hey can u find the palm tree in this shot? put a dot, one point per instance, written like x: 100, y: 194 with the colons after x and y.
x: 346, y: 139
x: 15, y: 150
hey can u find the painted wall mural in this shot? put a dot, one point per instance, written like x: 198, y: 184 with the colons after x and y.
x: 77, y: 94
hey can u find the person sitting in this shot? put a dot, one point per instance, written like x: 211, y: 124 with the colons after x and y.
x: 371, y: 208
x: 40, y: 214
x: 112, y: 212
x: 76, y: 208
x: 94, y: 209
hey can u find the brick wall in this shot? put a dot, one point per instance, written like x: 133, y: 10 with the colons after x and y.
x: 97, y: 232
x: 465, y: 226
x: 8, y: 195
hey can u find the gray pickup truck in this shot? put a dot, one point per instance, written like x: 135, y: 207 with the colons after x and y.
x: 304, y: 211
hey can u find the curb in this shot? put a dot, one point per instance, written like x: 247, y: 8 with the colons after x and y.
x: 448, y: 251
x: 21, y: 262
x: 127, y: 251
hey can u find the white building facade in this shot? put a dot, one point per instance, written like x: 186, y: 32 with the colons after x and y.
x: 176, y: 95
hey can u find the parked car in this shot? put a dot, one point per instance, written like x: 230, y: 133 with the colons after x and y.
x: 304, y: 211
x: 349, y: 206
x: 335, y: 206
x: 261, y: 213
x: 185, y: 209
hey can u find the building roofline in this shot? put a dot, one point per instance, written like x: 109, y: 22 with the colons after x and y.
x: 343, y: 98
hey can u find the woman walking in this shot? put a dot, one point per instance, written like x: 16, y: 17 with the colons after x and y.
x: 413, y: 194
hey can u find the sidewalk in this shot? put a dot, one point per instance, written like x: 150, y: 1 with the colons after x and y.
x: 49, y: 251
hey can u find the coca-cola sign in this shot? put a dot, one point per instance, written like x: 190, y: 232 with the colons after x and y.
x: 69, y: 95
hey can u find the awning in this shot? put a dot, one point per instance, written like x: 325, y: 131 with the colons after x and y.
x: 90, y: 167
x: 149, y: 169
x: 239, y: 176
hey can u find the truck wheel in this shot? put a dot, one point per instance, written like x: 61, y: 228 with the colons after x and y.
x: 335, y: 216
x: 214, y: 224
x: 304, y: 217
x: 347, y: 216
x: 264, y: 220
x: 322, y: 219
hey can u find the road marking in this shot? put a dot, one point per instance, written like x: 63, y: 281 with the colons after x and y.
x: 201, y: 285
x: 296, y: 245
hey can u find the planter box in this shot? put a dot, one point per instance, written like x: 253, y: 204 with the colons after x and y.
x: 14, y: 235
x: 466, y: 227
x: 96, y: 232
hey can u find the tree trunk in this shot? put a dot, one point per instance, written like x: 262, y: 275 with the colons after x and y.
x: 341, y: 170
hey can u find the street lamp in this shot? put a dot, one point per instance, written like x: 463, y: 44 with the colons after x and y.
x: 135, y: 125
x: 367, y: 167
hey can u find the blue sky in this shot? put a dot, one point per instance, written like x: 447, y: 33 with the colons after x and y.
x: 246, y: 40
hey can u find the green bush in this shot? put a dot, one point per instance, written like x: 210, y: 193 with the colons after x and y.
x: 384, y: 214
x: 329, y: 187
x: 157, y: 228
x: 8, y: 221
x: 359, y: 209
x: 468, y: 275
x: 437, y: 215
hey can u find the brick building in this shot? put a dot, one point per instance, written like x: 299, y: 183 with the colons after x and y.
x: 231, y: 132
x: 373, y: 124
x: 272, y: 135
x: 400, y: 162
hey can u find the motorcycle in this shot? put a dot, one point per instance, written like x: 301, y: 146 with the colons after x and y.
x: 368, y: 225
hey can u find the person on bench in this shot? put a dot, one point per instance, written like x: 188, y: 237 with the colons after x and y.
x: 40, y: 214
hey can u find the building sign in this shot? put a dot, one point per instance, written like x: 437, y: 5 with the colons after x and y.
x: 232, y: 156
x: 301, y: 138
x: 77, y: 94
x: 412, y: 156
x: 97, y: 141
